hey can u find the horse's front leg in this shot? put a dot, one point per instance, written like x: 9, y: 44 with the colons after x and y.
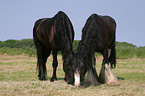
x: 104, y: 62
x: 54, y: 65
x: 69, y: 75
x: 92, y: 76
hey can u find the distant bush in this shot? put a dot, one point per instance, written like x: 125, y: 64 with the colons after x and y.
x: 18, y: 51
x: 124, y: 50
x: 124, y: 44
x: 18, y: 47
x: 130, y: 52
x: 75, y: 45
x: 24, y: 43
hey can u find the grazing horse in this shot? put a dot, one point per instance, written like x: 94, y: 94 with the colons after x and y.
x: 98, y: 35
x: 54, y: 34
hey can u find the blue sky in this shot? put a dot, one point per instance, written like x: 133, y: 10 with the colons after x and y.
x: 17, y: 17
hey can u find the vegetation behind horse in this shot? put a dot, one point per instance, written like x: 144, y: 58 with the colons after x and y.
x: 25, y: 46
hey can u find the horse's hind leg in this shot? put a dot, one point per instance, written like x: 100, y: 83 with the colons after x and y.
x: 106, y: 74
x: 40, y: 65
x: 42, y: 55
x: 54, y: 65
x: 46, y: 54
x: 112, y: 58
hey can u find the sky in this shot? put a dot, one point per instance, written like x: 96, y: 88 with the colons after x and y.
x: 17, y: 17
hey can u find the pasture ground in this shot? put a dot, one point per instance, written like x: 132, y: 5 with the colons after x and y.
x: 18, y: 77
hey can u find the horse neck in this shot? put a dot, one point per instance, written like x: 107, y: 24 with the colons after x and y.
x: 86, y: 56
x: 67, y: 55
x: 85, y: 49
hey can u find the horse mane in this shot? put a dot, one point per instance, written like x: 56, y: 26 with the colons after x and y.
x: 112, y: 20
x: 89, y: 33
x: 65, y: 33
x: 64, y: 25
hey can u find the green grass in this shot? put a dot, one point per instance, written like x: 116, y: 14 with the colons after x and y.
x: 18, y: 77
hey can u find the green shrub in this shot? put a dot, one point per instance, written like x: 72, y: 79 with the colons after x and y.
x: 75, y: 45
x: 24, y: 43
x: 130, y: 52
x: 18, y: 51
x: 124, y: 50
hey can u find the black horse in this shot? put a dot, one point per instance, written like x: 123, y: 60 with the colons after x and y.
x: 54, y: 34
x: 98, y: 35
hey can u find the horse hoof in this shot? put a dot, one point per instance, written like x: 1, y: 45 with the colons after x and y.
x: 53, y: 79
x: 64, y: 79
x: 42, y: 78
x: 70, y: 82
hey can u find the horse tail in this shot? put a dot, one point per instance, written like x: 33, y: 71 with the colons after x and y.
x: 35, y: 39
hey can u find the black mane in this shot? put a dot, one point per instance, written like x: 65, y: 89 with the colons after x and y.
x: 87, y: 44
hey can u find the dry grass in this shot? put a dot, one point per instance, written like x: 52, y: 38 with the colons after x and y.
x: 18, y: 78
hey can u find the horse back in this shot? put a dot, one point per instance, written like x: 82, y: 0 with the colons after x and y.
x: 54, y: 33
x: 100, y: 30
x: 106, y: 32
x: 44, y: 31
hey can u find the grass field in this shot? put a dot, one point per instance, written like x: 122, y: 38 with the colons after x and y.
x: 18, y: 77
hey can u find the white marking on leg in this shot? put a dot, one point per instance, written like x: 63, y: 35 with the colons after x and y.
x: 91, y: 78
x: 77, y: 79
x: 109, y: 52
x: 88, y: 78
x: 110, y: 77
